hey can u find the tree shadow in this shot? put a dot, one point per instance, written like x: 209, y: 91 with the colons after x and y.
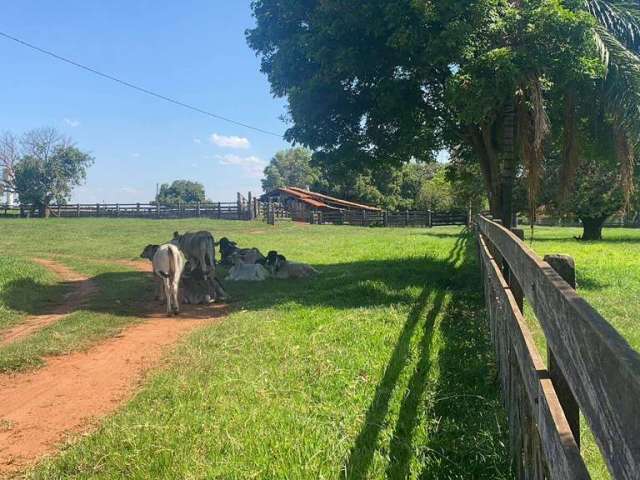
x: 126, y: 294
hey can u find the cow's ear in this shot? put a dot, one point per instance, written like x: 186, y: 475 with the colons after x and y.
x: 176, y: 234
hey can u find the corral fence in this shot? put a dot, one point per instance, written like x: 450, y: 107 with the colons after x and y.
x: 244, y: 208
x: 408, y: 218
x: 590, y: 368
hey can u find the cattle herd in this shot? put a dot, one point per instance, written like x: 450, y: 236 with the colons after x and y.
x: 186, y: 268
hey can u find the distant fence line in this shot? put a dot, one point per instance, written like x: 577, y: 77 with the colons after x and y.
x: 218, y: 210
x: 590, y: 369
x: 408, y: 218
x: 243, y: 209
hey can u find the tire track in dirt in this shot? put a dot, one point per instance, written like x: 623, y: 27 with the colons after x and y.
x: 82, y: 289
x: 39, y: 410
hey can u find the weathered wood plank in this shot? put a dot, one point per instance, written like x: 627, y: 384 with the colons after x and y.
x: 601, y: 368
x: 557, y: 442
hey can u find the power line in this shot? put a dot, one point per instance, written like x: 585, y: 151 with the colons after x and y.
x: 135, y: 87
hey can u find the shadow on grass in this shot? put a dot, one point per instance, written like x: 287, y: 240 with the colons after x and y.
x: 573, y: 240
x: 466, y: 439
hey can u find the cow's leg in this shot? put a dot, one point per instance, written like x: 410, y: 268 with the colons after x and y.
x: 166, y: 287
x: 175, y: 285
x: 159, y: 289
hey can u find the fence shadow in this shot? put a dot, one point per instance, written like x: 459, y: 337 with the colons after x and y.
x: 465, y: 440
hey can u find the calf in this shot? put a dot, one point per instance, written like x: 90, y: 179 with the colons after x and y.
x: 229, y: 250
x: 247, y: 272
x: 282, y: 268
x: 168, y: 264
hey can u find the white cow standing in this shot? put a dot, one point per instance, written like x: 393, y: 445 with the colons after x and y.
x: 168, y: 264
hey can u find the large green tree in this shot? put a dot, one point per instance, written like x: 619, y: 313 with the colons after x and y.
x: 385, y: 81
x: 181, y: 191
x: 48, y: 168
x: 290, y: 168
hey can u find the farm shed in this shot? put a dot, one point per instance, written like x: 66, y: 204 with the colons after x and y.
x: 301, y: 203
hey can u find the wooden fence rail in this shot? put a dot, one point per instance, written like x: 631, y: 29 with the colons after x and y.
x: 221, y: 210
x: 590, y: 365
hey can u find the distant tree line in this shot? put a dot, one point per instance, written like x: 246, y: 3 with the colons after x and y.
x: 413, y: 186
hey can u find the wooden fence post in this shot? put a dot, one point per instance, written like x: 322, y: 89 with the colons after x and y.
x: 58, y: 210
x: 239, y: 206
x: 364, y: 218
x: 564, y: 266
x: 117, y: 209
x: 138, y: 209
x: 385, y: 219
x: 429, y: 219
x: 249, y: 207
x: 97, y: 209
x: 514, y: 285
x: 406, y: 218
x: 158, y: 209
x: 198, y: 209
x: 77, y: 210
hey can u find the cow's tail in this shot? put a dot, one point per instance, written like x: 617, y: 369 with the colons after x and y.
x: 172, y: 264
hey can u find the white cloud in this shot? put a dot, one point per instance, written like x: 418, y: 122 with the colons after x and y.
x: 252, y: 165
x: 230, y: 142
x: 71, y: 122
x: 197, y: 140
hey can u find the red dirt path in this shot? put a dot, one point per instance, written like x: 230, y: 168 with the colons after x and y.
x: 38, y: 410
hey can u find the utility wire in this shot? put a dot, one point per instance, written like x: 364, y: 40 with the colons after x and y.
x: 136, y: 87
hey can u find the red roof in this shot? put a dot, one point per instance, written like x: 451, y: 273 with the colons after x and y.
x: 304, y: 198
x: 320, y: 196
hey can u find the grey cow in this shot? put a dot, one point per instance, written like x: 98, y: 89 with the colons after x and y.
x: 199, y: 248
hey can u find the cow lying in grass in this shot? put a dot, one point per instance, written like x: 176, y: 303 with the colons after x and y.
x: 246, y: 272
x: 168, y: 265
x: 281, y: 268
x: 230, y: 253
x: 199, y: 289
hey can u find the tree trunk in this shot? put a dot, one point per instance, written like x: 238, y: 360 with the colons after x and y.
x: 508, y: 164
x: 592, y: 228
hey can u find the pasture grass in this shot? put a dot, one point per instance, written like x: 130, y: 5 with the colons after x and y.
x: 608, y: 277
x: 380, y: 367
x: 24, y: 287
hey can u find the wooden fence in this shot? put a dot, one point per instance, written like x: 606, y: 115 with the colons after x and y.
x: 243, y: 209
x: 409, y: 218
x: 590, y: 368
x: 221, y: 210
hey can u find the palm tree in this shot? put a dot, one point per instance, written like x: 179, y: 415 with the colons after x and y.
x: 617, y: 35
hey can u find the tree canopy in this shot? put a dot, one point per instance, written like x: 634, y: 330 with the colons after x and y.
x: 378, y: 84
x: 47, y: 168
x: 181, y: 191
x: 291, y: 168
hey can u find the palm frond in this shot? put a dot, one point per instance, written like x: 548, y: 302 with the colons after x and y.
x: 622, y: 84
x: 533, y: 128
x: 620, y: 18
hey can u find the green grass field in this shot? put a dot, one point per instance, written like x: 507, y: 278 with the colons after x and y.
x: 608, y: 277
x: 380, y: 367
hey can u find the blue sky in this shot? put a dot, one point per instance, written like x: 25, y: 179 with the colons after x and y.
x: 194, y: 51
